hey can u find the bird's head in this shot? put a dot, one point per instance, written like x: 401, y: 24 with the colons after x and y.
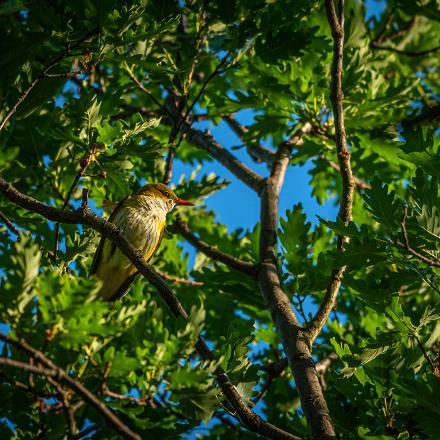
x: 163, y: 194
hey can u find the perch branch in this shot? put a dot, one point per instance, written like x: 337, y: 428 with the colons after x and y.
x: 85, y: 217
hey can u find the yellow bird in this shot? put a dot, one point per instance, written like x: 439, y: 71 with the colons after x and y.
x: 142, y: 219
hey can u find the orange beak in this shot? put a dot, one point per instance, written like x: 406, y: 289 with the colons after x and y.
x: 183, y: 202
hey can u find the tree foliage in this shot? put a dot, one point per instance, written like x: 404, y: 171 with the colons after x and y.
x: 108, y: 95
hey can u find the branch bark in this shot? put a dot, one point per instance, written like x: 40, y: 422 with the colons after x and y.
x: 49, y: 369
x: 296, y: 344
x: 252, y: 421
x: 206, y: 142
x: 211, y: 251
x: 258, y: 152
x: 336, y: 21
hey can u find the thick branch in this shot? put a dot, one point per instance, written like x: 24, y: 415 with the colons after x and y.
x: 348, y: 184
x: 49, y: 369
x: 44, y: 73
x: 206, y: 142
x: 85, y: 217
x: 211, y: 251
x: 296, y: 345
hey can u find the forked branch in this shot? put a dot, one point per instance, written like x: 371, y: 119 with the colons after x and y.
x: 336, y: 21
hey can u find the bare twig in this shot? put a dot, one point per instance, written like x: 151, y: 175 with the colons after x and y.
x: 407, y: 246
x: 49, y: 369
x: 251, y: 420
x: 181, y: 101
x: 336, y: 21
x: 380, y: 36
x: 211, y: 251
x: 44, y: 73
x: 435, y: 370
x: 85, y: 432
x: 84, y: 163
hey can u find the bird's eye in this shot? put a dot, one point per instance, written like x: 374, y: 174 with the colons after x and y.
x: 167, y: 194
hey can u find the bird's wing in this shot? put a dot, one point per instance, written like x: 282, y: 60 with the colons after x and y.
x: 126, y: 284
x: 156, y: 246
x: 98, y: 252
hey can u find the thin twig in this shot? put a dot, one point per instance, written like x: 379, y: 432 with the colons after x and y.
x: 182, y: 100
x: 141, y: 87
x: 69, y: 413
x: 44, y: 72
x: 84, y: 163
x: 178, y: 280
x: 85, y: 432
x: 64, y: 75
x: 258, y: 152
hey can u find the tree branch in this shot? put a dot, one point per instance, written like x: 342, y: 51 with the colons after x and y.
x: 59, y: 375
x: 206, y: 142
x: 85, y: 217
x: 295, y: 343
x: 178, y: 280
x: 44, y: 73
x: 258, y: 152
x: 68, y: 410
x: 348, y: 184
x: 211, y: 251
x: 9, y: 224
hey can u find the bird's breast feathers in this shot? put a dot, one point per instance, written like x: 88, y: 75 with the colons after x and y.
x: 142, y: 225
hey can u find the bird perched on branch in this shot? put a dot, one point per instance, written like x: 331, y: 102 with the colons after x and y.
x: 142, y: 219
